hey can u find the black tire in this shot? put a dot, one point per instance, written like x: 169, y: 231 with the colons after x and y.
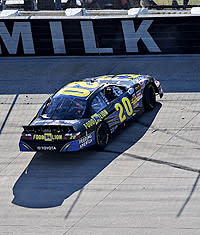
x: 149, y: 97
x: 102, y: 135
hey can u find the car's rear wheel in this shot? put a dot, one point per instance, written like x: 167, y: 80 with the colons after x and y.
x: 149, y: 97
x: 102, y: 135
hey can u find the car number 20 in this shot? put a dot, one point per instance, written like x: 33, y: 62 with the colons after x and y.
x: 126, y: 104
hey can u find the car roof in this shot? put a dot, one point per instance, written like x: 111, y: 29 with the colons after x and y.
x: 85, y: 88
x: 120, y: 79
x: 78, y: 89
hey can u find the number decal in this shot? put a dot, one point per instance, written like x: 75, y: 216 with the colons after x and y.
x: 120, y: 108
x: 127, y: 106
x: 126, y: 76
x: 78, y: 89
x: 73, y: 91
x: 83, y: 84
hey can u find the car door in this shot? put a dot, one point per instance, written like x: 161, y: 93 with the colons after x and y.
x: 128, y: 103
x: 114, y: 94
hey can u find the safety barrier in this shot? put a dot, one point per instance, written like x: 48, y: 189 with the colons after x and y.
x: 99, y: 36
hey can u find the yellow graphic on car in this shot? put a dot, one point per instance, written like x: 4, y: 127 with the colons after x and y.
x: 78, y: 89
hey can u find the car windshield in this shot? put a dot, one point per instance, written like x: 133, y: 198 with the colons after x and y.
x: 63, y: 108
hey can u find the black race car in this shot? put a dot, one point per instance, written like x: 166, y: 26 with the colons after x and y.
x: 85, y: 113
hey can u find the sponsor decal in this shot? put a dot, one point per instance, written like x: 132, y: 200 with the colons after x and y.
x: 137, y: 88
x: 95, y: 119
x: 86, y: 140
x: 138, y: 95
x: 103, y: 114
x: 89, y: 123
x: 47, y: 137
x: 134, y: 100
x: 46, y: 148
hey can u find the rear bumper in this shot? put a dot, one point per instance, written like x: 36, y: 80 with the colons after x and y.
x: 41, y: 146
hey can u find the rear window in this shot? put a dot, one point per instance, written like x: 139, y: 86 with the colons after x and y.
x: 63, y: 108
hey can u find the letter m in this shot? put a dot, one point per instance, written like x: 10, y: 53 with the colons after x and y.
x: 11, y: 41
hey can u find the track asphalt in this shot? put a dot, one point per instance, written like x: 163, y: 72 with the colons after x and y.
x: 145, y: 182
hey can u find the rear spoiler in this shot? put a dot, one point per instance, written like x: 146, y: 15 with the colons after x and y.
x: 56, y: 129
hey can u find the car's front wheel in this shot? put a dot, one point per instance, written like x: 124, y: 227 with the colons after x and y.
x: 149, y: 97
x: 102, y: 135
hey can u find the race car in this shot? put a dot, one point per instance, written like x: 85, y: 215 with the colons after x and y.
x: 87, y: 112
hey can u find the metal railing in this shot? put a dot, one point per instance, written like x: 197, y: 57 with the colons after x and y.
x: 95, y: 4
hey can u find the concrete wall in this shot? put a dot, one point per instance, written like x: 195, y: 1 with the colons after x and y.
x: 99, y: 36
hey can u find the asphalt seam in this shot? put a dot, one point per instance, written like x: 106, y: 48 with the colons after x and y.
x: 9, y: 163
x: 174, y: 135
